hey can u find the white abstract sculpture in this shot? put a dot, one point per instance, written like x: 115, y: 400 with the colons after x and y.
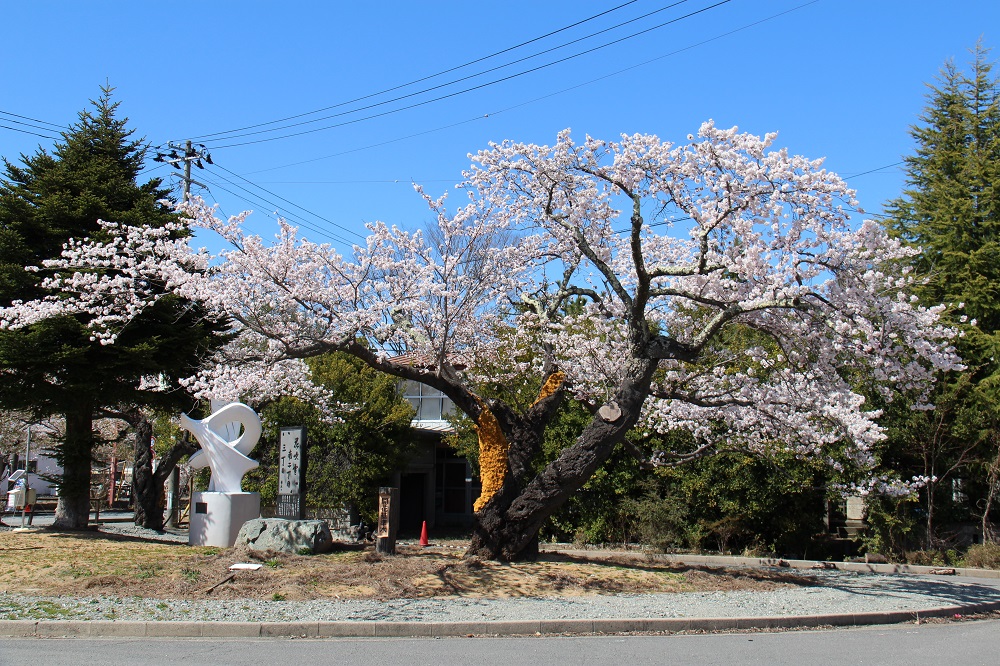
x: 221, y: 451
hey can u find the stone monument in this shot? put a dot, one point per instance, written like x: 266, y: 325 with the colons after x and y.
x: 218, y: 513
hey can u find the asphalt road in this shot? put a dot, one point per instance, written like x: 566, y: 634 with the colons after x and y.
x: 965, y: 643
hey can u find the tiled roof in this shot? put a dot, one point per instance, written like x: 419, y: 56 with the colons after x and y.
x: 424, y: 360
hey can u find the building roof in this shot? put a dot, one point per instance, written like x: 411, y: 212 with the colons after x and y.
x: 432, y: 425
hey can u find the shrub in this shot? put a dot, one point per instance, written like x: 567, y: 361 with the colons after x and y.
x: 983, y: 556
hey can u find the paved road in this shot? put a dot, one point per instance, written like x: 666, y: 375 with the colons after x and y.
x: 965, y: 643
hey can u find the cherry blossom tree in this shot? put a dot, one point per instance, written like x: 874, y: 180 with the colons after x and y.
x: 719, y: 291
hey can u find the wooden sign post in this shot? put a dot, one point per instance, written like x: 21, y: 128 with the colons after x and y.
x: 388, y: 521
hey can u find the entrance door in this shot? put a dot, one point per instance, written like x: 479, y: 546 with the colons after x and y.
x: 412, y: 502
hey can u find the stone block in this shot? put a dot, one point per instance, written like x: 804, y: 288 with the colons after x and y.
x: 230, y: 629
x: 17, y: 627
x: 289, y: 536
x: 290, y: 629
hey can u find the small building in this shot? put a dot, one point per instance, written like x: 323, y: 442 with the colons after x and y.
x: 42, y: 471
x: 437, y: 485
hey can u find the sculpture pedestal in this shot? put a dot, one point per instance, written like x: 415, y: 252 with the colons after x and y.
x: 216, y: 518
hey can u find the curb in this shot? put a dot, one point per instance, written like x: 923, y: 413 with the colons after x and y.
x: 376, y: 629
x: 730, y: 560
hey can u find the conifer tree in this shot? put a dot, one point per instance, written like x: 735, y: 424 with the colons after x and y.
x: 56, y: 367
x: 950, y: 209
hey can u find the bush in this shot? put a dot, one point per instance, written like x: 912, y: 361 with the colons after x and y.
x: 983, y: 556
x: 661, y: 522
x: 931, y: 558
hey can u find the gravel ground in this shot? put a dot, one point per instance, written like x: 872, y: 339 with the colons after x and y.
x: 834, y: 592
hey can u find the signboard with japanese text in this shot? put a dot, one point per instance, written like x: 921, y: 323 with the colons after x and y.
x: 292, y: 473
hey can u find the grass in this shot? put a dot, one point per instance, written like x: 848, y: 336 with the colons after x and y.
x: 94, y: 564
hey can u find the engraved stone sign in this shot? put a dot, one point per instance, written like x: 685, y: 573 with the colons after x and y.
x: 292, y: 473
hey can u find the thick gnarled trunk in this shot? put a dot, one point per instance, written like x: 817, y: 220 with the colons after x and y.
x: 145, y: 493
x: 147, y: 483
x: 73, y: 507
x: 507, y: 527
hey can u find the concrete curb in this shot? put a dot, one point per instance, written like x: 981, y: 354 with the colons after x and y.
x: 728, y: 560
x: 361, y: 629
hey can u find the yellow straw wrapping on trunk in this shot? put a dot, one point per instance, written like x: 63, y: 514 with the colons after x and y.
x: 493, y: 446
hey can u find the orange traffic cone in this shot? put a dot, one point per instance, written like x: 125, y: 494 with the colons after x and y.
x: 423, y: 535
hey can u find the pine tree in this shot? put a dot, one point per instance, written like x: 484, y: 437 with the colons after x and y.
x: 54, y: 367
x: 951, y: 211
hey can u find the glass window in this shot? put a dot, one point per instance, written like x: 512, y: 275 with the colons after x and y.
x: 429, y: 403
x: 430, y: 409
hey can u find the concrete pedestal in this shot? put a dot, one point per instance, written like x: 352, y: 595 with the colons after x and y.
x: 216, y: 518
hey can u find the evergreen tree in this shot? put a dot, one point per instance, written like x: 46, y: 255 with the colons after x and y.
x: 54, y: 367
x: 950, y: 209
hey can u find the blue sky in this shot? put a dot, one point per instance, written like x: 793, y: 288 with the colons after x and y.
x: 842, y: 79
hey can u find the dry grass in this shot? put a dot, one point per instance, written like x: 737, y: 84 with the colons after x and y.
x: 52, y: 563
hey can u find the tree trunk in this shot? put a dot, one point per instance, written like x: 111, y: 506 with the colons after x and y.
x: 929, y: 525
x: 507, y: 527
x: 992, y: 481
x: 73, y: 507
x: 145, y: 492
x: 147, y: 484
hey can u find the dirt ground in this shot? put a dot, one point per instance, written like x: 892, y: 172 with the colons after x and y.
x: 91, y: 564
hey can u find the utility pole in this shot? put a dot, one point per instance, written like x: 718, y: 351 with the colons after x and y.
x: 27, y: 479
x: 185, y: 155
x: 181, y: 157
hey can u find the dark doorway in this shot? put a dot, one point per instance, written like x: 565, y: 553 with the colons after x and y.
x: 412, y: 502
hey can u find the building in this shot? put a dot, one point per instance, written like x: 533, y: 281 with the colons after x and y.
x: 437, y: 485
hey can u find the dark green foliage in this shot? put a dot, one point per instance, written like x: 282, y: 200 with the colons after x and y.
x: 53, y: 367
x: 347, y: 461
x: 951, y: 206
x: 725, y: 502
x: 951, y: 211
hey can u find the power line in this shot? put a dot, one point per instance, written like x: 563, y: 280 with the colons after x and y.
x: 404, y: 181
x: 273, y: 206
x: 476, y: 87
x: 420, y: 80
x: 538, y: 99
x: 31, y: 125
x: 447, y: 83
x: 36, y: 120
x: 291, y: 203
x: 657, y: 58
x: 23, y: 131
x: 374, y: 145
x: 865, y: 173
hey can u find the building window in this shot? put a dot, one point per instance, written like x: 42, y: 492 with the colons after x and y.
x: 429, y: 403
x: 452, y: 486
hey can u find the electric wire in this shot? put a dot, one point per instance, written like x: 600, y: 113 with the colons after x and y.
x: 291, y: 203
x: 420, y: 80
x: 233, y: 135
x: 865, y: 173
x: 372, y: 145
x: 31, y: 125
x: 288, y: 214
x: 543, y: 97
x: 24, y: 131
x: 35, y: 120
x: 277, y: 208
x: 853, y: 210
x: 472, y: 88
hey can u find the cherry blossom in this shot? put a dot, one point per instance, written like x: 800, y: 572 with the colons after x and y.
x: 716, y: 287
